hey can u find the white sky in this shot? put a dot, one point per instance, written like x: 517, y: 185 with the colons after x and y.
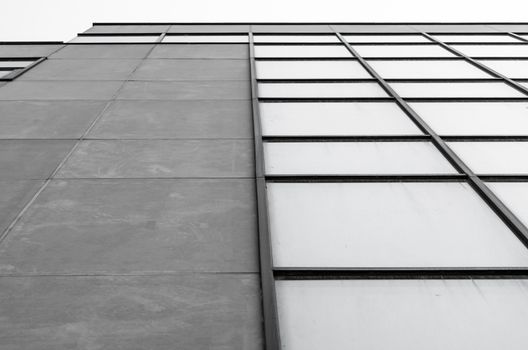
x: 63, y: 19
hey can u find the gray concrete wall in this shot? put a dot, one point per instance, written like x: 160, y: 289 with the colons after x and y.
x: 127, y: 200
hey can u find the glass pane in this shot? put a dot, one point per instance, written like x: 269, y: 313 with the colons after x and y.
x: 311, y: 70
x: 403, y: 314
x: 115, y: 39
x: 15, y: 64
x: 427, y: 70
x: 514, y: 195
x: 404, y: 224
x: 455, y: 90
x: 323, y: 119
x: 475, y: 118
x: 386, y: 38
x: 205, y: 39
x: 402, y: 51
x: 296, y: 39
x: 301, y: 51
x: 344, y: 158
x: 493, y: 157
x: 510, y: 68
x: 493, y: 50
x: 3, y: 73
x: 476, y: 38
x: 322, y: 90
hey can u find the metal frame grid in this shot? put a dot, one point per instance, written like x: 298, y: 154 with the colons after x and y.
x: 268, y: 273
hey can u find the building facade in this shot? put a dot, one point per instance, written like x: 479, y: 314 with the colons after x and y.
x: 266, y: 186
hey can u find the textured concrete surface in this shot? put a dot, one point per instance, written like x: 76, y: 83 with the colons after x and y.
x: 175, y: 119
x: 146, y: 237
x: 47, y: 119
x: 194, y: 311
x: 234, y: 51
x: 16, y: 50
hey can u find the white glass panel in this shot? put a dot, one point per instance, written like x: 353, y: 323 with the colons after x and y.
x: 514, y: 195
x: 205, y: 39
x: 386, y: 38
x: 301, y: 51
x: 402, y: 51
x: 15, y: 64
x: 475, y: 118
x: 455, y: 90
x: 493, y: 50
x: 320, y: 90
x: 427, y: 70
x: 344, y: 118
x: 3, y: 73
x: 493, y: 157
x: 403, y: 314
x: 114, y: 39
x: 343, y: 158
x: 387, y: 225
x: 511, y: 69
x: 310, y: 70
x: 476, y: 38
x: 295, y: 39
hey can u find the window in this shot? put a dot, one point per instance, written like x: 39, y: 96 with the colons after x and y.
x: 475, y: 118
x: 342, y: 118
x: 402, y: 51
x: 310, y: 70
x: 453, y: 38
x: 344, y: 158
x: 205, y: 39
x: 301, y: 51
x: 445, y: 89
x: 493, y: 157
x: 456, y: 314
x: 514, y: 195
x: 386, y: 38
x: 493, y: 50
x: 115, y: 39
x: 321, y: 90
x: 516, y: 69
x: 403, y: 224
x: 410, y: 69
x: 296, y: 39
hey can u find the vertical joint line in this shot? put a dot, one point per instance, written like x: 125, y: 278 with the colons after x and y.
x: 267, y: 279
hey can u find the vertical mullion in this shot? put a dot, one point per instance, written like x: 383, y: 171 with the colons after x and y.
x: 516, y: 36
x: 485, y: 193
x: 267, y: 279
x: 477, y: 64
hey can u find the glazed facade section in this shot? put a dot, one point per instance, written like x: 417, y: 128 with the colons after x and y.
x: 278, y: 186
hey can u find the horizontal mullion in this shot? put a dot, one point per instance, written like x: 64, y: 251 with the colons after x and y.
x: 325, y: 99
x: 366, y: 178
x: 118, y: 34
x: 488, y: 138
x: 311, y: 273
x: 465, y: 99
x: 347, y: 138
x: 351, y: 58
x: 330, y: 80
x: 504, y: 178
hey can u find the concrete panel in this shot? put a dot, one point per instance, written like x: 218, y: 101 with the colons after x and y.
x: 135, y: 226
x: 59, y: 90
x: 185, y: 90
x: 12, y: 50
x: 184, y: 312
x: 82, y: 70
x: 233, y: 51
x: 47, y: 119
x: 154, y: 69
x: 160, y: 159
x: 31, y: 159
x: 521, y: 28
x: 14, y: 194
x: 175, y: 119
x: 212, y: 28
x: 150, y: 28
x: 103, y: 51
